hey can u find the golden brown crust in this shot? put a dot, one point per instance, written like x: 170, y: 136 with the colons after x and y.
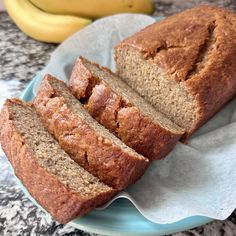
x: 63, y: 204
x: 196, y: 47
x: 97, y: 154
x: 119, y: 116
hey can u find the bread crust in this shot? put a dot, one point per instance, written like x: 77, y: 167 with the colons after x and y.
x: 119, y: 116
x: 196, y: 48
x: 63, y: 204
x: 97, y: 154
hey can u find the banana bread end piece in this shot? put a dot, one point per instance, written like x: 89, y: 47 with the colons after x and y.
x: 58, y: 184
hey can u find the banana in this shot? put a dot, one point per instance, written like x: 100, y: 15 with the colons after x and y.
x: 94, y: 8
x: 40, y: 25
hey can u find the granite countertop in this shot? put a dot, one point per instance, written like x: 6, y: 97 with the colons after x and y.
x: 20, y: 58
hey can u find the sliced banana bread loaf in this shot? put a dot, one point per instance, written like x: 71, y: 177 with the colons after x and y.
x: 84, y: 139
x: 59, y: 185
x: 184, y: 65
x: 121, y: 110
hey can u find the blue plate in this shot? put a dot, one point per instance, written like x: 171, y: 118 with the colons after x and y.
x: 121, y: 217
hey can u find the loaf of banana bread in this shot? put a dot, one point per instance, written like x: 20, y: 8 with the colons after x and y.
x: 185, y: 65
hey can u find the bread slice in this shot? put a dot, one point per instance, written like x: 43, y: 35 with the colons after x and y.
x: 58, y: 184
x: 184, y: 65
x: 121, y: 110
x: 86, y: 141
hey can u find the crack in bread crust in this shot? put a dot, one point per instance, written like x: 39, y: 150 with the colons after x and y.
x: 164, y: 47
x: 203, y: 51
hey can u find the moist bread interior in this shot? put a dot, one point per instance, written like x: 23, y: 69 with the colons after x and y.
x: 126, y: 92
x: 80, y: 111
x: 50, y: 156
x: 152, y: 83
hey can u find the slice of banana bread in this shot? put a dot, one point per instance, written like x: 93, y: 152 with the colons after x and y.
x: 184, y: 65
x: 58, y: 184
x: 121, y: 110
x: 84, y: 139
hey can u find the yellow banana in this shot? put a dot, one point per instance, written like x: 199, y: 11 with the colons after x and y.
x: 41, y: 25
x: 94, y: 8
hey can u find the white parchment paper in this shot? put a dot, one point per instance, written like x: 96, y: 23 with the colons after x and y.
x: 195, y: 179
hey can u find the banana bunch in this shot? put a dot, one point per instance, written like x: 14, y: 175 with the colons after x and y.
x: 54, y: 20
x: 94, y: 8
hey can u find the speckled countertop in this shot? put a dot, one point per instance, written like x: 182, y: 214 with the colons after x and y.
x: 20, y: 58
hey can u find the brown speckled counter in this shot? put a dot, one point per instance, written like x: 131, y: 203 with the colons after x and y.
x: 20, y: 58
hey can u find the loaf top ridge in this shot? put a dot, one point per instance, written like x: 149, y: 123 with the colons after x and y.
x: 189, y: 43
